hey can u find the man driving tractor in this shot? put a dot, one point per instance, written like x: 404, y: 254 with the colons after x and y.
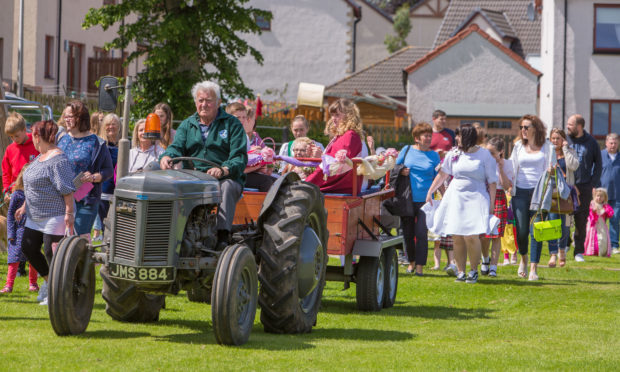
x: 212, y: 134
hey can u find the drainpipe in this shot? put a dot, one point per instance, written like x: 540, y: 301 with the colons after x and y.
x: 58, y: 42
x: 357, y: 19
x: 20, y: 52
x: 564, y: 66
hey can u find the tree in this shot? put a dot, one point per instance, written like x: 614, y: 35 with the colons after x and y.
x: 402, y: 27
x: 185, y: 41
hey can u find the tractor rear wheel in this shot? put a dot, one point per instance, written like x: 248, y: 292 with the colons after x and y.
x: 293, y: 259
x: 70, y: 301
x: 234, y: 295
x: 125, y: 303
x: 369, y: 281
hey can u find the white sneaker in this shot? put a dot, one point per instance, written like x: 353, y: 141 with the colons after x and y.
x: 44, y: 302
x: 42, y: 292
x: 615, y: 251
x: 451, y: 270
x: 579, y: 258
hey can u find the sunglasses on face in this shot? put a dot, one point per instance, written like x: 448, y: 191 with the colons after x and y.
x: 526, y: 127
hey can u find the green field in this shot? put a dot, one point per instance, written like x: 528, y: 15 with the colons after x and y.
x: 569, y: 320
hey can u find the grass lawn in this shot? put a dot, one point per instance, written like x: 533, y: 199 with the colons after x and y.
x: 569, y: 320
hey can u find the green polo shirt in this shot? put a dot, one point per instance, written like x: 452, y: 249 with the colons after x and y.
x: 225, y: 144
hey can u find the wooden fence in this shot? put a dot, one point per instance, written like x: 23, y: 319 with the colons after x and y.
x: 58, y: 103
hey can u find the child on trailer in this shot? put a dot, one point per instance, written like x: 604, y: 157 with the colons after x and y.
x: 15, y: 231
x: 597, y: 234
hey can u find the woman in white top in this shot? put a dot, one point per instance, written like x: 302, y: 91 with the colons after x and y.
x: 466, y: 207
x: 144, y: 150
x: 531, y: 157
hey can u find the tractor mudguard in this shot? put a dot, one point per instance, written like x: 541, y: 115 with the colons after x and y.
x: 273, y: 191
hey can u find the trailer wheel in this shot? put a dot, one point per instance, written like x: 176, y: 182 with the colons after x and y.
x: 70, y: 301
x: 370, y: 278
x: 234, y: 296
x: 293, y: 258
x: 391, y: 277
x: 125, y: 303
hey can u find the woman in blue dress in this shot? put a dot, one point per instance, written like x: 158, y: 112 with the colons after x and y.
x: 90, y: 158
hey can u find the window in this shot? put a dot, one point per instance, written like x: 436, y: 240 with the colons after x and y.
x: 263, y: 23
x: 100, y: 53
x: 607, y: 28
x: 109, y: 2
x: 471, y: 121
x: 499, y: 124
x: 605, y: 117
x: 49, y: 56
x: 74, y: 66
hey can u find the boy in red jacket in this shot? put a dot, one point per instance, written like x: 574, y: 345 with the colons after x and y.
x: 18, y: 153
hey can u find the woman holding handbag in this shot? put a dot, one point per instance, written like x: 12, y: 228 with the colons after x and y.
x: 418, y: 164
x: 568, y: 162
x: 531, y: 156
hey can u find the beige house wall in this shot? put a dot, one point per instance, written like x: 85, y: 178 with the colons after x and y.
x: 40, y: 20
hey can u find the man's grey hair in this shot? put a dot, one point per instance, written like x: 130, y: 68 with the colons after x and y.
x: 613, y: 136
x: 204, y: 86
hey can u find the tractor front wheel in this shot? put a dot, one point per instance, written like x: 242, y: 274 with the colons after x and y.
x: 70, y: 297
x: 234, y: 295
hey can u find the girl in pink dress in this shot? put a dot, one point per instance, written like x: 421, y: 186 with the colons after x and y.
x: 597, y: 234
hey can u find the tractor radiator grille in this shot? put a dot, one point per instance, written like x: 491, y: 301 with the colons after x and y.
x: 125, y: 232
x: 157, y: 234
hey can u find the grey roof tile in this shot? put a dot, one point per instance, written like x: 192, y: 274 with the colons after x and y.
x: 508, y: 16
x: 384, y: 77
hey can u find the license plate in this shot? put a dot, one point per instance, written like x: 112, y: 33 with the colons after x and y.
x: 142, y: 274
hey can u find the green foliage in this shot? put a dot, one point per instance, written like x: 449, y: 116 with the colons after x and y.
x: 184, y: 42
x: 402, y: 27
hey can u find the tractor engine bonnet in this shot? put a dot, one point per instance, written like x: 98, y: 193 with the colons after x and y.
x: 169, y: 185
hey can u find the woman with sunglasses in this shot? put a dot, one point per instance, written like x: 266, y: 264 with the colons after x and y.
x: 531, y: 157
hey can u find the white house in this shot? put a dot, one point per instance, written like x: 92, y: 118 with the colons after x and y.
x: 306, y: 41
x: 472, y: 77
x: 580, y: 53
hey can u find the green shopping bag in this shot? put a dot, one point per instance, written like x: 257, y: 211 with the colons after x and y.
x: 546, y: 230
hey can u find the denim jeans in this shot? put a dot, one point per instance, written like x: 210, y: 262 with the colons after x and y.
x: 521, y: 209
x: 554, y: 245
x: 85, y: 217
x: 614, y: 230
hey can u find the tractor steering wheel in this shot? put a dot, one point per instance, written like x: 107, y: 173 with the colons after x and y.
x: 191, y: 158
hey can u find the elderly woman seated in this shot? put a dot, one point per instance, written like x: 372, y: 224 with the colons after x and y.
x: 300, y: 149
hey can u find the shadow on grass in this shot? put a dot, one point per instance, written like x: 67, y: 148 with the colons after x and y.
x: 428, y: 312
x: 9, y: 318
x: 267, y: 341
x: 112, y: 334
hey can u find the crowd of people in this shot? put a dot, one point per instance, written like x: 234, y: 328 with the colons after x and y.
x: 461, y: 193
x: 465, y: 193
x: 58, y: 181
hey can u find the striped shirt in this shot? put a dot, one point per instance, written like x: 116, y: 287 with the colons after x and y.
x: 45, y: 183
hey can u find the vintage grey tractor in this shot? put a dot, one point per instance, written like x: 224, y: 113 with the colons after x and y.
x: 161, y: 239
